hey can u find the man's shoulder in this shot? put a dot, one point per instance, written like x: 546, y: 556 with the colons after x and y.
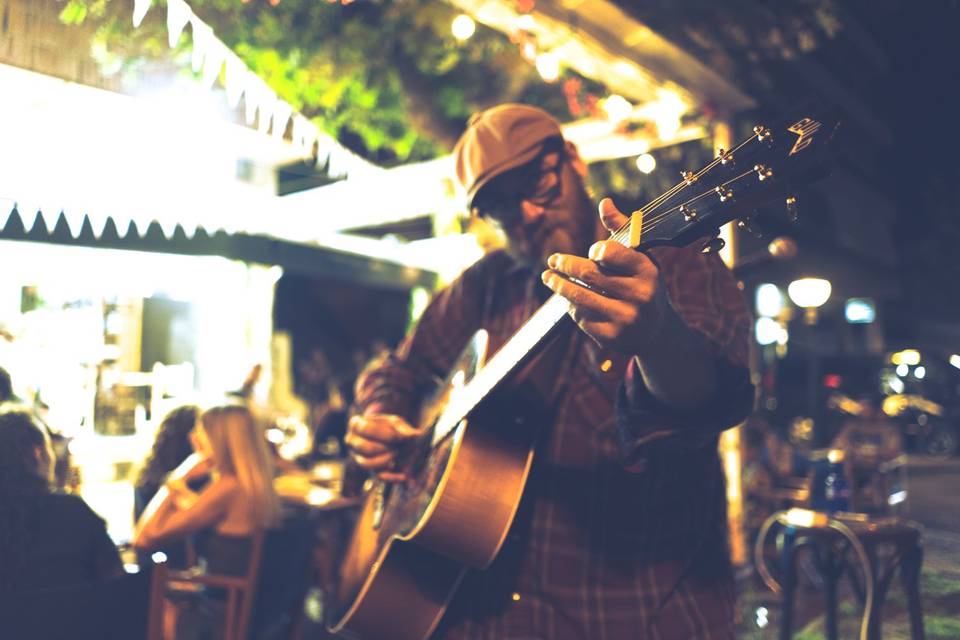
x: 492, y: 266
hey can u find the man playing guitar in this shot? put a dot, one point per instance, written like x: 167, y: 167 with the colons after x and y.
x: 621, y: 530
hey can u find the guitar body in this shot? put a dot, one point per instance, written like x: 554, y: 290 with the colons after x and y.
x: 413, y: 541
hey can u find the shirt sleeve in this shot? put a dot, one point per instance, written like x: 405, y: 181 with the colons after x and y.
x: 705, y: 295
x: 396, y: 382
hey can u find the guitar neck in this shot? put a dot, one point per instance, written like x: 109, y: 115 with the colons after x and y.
x: 766, y: 166
x: 525, y: 341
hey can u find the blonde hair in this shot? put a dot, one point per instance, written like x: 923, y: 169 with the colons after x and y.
x: 240, y: 449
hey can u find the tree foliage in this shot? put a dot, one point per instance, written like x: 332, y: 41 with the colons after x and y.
x: 386, y: 78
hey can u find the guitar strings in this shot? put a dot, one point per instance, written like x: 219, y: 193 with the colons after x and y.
x: 622, y: 233
x: 682, y: 185
x: 656, y: 219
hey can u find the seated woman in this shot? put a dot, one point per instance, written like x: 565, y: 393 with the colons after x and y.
x: 238, y: 502
x: 47, y: 539
x: 170, y: 448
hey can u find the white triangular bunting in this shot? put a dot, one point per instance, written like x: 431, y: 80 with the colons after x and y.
x: 234, y: 80
x: 299, y: 129
x: 251, y: 98
x: 268, y: 104
x: 281, y: 116
x: 178, y: 14
x: 140, y: 8
x: 304, y: 133
x: 213, y: 59
x: 311, y: 133
x: 202, y: 35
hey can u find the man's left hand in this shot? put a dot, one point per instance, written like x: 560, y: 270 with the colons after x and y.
x: 619, y: 300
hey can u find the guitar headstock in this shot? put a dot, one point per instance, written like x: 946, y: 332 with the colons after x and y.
x: 769, y: 165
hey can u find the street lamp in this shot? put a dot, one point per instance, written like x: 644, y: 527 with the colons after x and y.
x: 809, y: 294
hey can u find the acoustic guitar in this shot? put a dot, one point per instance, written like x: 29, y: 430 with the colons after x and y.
x: 414, y: 540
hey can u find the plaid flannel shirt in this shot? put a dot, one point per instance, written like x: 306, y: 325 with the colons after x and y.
x: 622, y: 529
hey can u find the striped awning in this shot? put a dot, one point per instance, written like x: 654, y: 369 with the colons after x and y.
x: 360, y: 265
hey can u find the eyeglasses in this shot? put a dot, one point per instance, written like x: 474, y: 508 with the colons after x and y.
x: 531, y: 183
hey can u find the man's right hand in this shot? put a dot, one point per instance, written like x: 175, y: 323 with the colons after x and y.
x: 374, y: 439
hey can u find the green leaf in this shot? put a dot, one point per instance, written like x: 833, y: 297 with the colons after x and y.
x: 74, y: 12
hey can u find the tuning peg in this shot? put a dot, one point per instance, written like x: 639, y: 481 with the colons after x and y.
x: 763, y: 171
x: 763, y: 133
x: 792, y: 208
x: 689, y: 213
x: 713, y: 245
x: 724, y: 192
x: 747, y: 224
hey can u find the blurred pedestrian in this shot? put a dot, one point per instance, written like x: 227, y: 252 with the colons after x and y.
x: 47, y: 539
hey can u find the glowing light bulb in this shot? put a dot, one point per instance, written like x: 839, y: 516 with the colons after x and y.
x: 529, y: 51
x: 548, y: 66
x: 767, y: 330
x: 809, y: 292
x: 667, y: 126
x: 646, y: 163
x: 617, y: 108
x: 769, y: 300
x: 463, y: 27
x: 667, y: 111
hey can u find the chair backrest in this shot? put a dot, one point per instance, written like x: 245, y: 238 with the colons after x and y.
x: 246, y: 595
x: 284, y: 575
x: 111, y: 609
x: 240, y: 592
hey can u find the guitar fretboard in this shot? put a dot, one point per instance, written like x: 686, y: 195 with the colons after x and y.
x: 502, y: 363
x: 525, y: 340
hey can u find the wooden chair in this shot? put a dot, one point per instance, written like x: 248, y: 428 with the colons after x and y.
x: 240, y: 593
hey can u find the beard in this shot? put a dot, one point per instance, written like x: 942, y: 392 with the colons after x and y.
x: 570, y: 230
